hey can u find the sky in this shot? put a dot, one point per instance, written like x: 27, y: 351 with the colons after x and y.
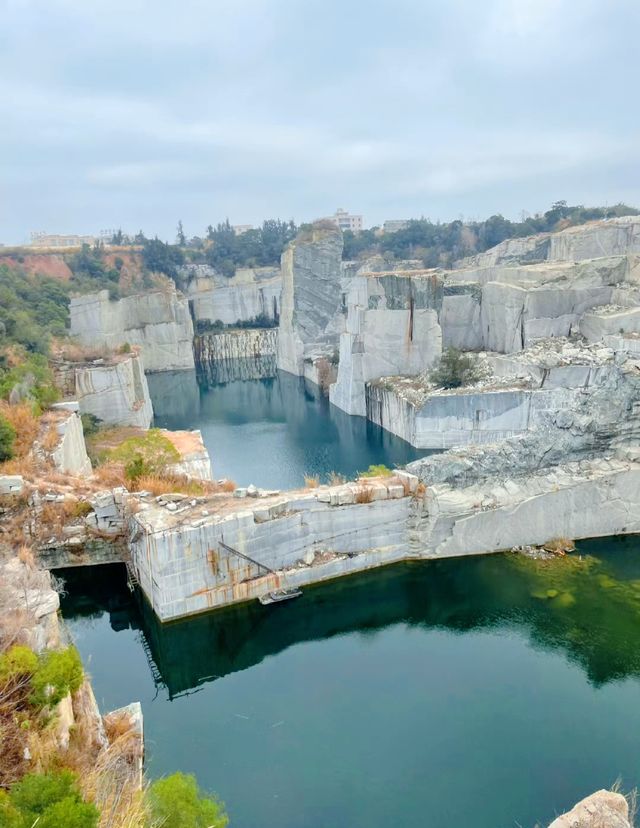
x: 138, y: 113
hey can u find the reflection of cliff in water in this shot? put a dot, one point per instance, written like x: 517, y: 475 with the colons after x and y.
x: 176, y: 398
x: 213, y: 372
x: 588, y: 608
x: 273, y: 431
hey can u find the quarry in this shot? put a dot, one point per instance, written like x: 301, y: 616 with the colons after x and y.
x: 542, y: 442
x: 537, y: 448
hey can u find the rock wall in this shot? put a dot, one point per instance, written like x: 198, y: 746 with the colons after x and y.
x: 250, y: 293
x: 392, y: 328
x: 248, y: 353
x: 116, y: 393
x: 70, y: 455
x: 303, y: 538
x: 447, y: 420
x: 609, y: 237
x: 158, y: 322
x: 312, y: 536
x: 311, y: 313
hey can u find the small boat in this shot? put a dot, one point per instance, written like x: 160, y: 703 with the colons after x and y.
x: 280, y: 595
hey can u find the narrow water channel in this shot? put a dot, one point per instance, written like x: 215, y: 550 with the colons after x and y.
x: 492, y: 691
x: 272, y: 432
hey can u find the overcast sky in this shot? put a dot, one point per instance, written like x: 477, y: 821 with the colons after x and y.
x: 135, y: 113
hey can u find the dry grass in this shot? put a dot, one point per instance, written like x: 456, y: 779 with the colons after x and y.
x: 160, y: 484
x: 311, y: 482
x: 364, y: 494
x: 336, y: 479
x: 25, y: 424
x: 25, y: 466
x: 227, y: 486
x: 51, y: 438
x: 71, y: 350
x: 110, y: 474
x: 559, y: 546
x: 109, y: 777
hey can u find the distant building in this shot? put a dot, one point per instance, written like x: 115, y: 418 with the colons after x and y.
x: 393, y: 225
x: 239, y: 229
x: 345, y: 221
x: 41, y: 239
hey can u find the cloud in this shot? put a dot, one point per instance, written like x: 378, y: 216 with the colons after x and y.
x: 133, y: 112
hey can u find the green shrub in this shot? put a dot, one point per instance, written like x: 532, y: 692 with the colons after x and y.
x: 48, y: 800
x: 17, y: 661
x: 58, y: 673
x: 7, y: 439
x: 177, y: 802
x: 33, y: 371
x: 455, y: 369
x: 147, y: 455
x: 377, y: 471
x: 90, y: 424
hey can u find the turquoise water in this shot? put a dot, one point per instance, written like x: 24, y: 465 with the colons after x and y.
x: 490, y: 692
x: 272, y: 432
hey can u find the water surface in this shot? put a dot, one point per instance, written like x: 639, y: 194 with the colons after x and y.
x: 272, y: 432
x: 489, y: 692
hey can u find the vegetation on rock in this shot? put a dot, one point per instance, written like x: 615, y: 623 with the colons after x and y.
x: 7, y: 439
x: 440, y: 244
x: 455, y: 369
x: 177, y: 802
x: 48, y: 800
x: 145, y: 455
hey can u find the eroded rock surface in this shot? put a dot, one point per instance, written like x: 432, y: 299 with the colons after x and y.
x: 311, y: 313
x: 603, y: 809
x: 159, y: 322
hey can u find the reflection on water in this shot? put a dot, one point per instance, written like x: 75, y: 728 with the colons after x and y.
x: 386, y: 696
x: 273, y: 432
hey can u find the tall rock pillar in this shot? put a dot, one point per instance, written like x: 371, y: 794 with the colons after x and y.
x: 311, y: 312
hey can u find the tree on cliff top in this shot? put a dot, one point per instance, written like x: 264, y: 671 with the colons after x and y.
x: 455, y: 369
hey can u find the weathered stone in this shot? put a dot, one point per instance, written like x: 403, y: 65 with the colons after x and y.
x: 116, y: 393
x: 159, y: 322
x: 311, y: 305
x: 603, y: 809
x: 11, y: 484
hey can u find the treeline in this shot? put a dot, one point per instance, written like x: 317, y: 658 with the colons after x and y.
x: 221, y: 247
x: 439, y: 244
x: 436, y: 244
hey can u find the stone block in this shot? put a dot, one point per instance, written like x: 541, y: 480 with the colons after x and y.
x: 11, y: 484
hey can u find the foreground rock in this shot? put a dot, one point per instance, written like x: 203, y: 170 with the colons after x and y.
x: 603, y: 809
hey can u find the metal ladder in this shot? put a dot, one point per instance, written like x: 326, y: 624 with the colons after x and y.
x: 233, y: 551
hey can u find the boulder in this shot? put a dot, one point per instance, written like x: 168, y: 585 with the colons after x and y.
x: 603, y: 809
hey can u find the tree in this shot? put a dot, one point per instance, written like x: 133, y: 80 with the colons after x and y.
x: 181, y: 239
x: 455, y: 369
x: 177, y: 802
x: 159, y: 257
x: 7, y: 439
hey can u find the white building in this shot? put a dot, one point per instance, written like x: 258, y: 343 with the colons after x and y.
x: 345, y: 221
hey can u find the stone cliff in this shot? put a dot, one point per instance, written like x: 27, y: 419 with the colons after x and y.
x: 248, y: 353
x: 115, y: 391
x: 311, y: 317
x: 391, y: 328
x: 251, y: 293
x: 158, y: 322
